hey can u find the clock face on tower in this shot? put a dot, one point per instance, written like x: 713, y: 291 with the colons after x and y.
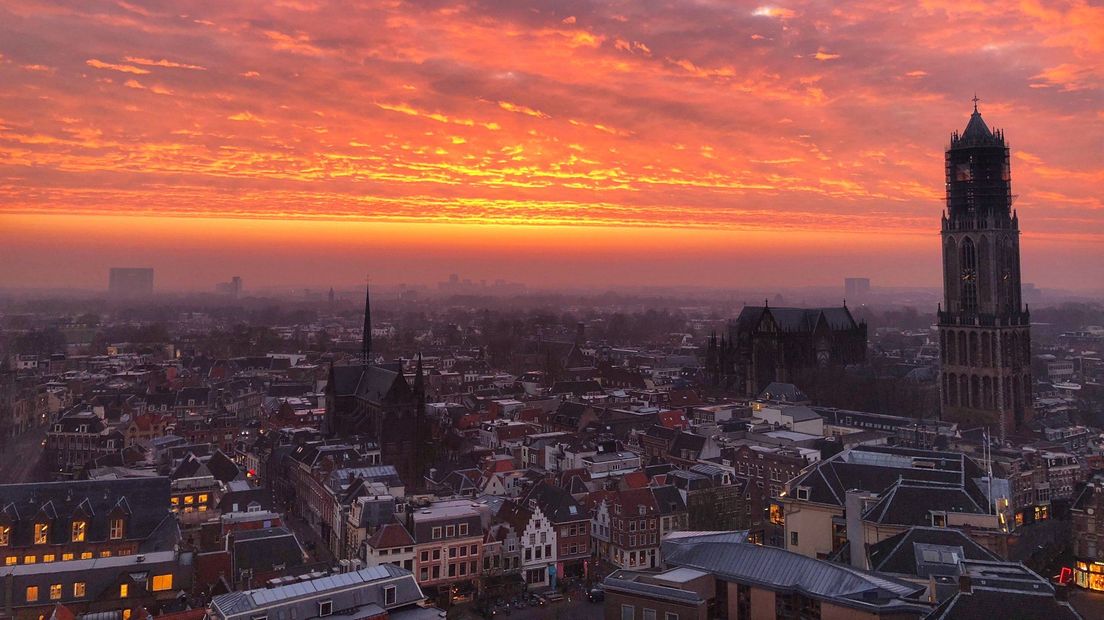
x: 969, y: 275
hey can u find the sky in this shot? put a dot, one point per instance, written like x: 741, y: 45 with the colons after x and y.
x: 707, y: 142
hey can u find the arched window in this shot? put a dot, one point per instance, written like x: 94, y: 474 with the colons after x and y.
x: 969, y: 275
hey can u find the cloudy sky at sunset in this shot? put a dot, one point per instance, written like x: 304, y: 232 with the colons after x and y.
x: 710, y: 142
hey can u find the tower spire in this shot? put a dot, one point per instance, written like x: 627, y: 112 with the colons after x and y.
x: 366, y: 346
x: 975, y: 100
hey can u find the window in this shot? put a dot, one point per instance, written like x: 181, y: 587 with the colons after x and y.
x: 436, y: 533
x: 628, y: 612
x: 452, y: 552
x: 671, y: 616
x: 124, y: 590
x: 423, y: 575
x: 87, y: 555
x: 79, y: 529
x: 11, y: 560
x: 938, y: 519
x: 463, y: 529
x: 425, y: 556
x: 55, y: 592
x: 189, y: 499
x: 162, y: 582
x: 325, y: 608
x: 116, y: 529
x: 450, y: 531
x: 29, y: 559
x: 648, y: 614
x: 5, y: 535
x: 106, y: 553
x: 793, y: 539
x: 32, y: 594
x: 65, y: 557
x: 202, y: 498
x: 48, y: 557
x: 78, y: 589
x: 41, y: 533
x: 389, y: 596
x: 802, y: 492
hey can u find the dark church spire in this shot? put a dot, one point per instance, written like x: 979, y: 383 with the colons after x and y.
x: 419, y: 378
x: 366, y: 346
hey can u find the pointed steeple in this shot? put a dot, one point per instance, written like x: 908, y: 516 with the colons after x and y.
x: 419, y: 377
x: 976, y: 132
x: 366, y: 346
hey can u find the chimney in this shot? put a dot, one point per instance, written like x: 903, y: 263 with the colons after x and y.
x: 964, y: 584
x: 853, y: 506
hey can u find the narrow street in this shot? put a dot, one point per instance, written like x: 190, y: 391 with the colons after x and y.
x: 21, y: 458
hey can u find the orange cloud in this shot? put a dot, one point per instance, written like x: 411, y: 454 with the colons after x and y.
x: 99, y: 64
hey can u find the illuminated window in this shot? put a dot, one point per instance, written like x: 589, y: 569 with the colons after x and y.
x: 126, y: 614
x: 175, y: 501
x: 116, y: 529
x: 10, y: 560
x: 29, y: 559
x: 5, y: 535
x: 203, y: 507
x: 79, y: 529
x: 78, y: 589
x: 49, y: 557
x: 189, y: 499
x: 65, y: 557
x: 106, y: 553
x: 202, y: 498
x: 123, y: 590
x: 41, y: 533
x: 776, y: 516
x: 32, y: 594
x: 162, y: 582
x: 87, y: 555
x: 55, y: 592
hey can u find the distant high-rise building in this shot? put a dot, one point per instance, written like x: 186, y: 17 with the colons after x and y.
x: 232, y: 288
x: 984, y: 329
x: 130, y: 281
x: 856, y: 289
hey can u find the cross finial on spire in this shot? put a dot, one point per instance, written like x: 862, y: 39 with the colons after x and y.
x: 975, y: 100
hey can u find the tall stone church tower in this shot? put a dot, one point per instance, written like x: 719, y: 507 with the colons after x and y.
x: 984, y: 329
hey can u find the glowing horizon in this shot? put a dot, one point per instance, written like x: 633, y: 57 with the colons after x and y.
x: 520, y: 137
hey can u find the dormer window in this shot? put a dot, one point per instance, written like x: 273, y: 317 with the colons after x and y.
x: 325, y: 608
x: 117, y: 529
x: 80, y: 528
x: 938, y: 519
x: 803, y: 493
x: 5, y: 535
x: 41, y: 533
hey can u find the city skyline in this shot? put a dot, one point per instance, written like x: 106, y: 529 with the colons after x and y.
x: 585, y: 143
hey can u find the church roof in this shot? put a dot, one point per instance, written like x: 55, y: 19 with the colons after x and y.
x: 797, y: 319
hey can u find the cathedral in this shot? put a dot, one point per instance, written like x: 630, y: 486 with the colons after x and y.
x: 984, y: 329
x: 376, y: 400
x: 767, y: 345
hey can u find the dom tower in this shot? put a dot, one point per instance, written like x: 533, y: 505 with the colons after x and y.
x: 984, y: 329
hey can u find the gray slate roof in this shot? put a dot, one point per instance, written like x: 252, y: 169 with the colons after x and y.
x: 785, y: 571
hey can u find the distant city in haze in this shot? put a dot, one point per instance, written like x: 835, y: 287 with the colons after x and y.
x: 314, y: 310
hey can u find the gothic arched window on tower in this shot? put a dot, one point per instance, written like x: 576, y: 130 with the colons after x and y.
x: 969, y: 275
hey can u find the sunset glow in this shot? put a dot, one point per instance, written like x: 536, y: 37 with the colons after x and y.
x: 432, y: 136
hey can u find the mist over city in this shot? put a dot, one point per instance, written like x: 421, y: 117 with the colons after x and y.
x: 600, y: 310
